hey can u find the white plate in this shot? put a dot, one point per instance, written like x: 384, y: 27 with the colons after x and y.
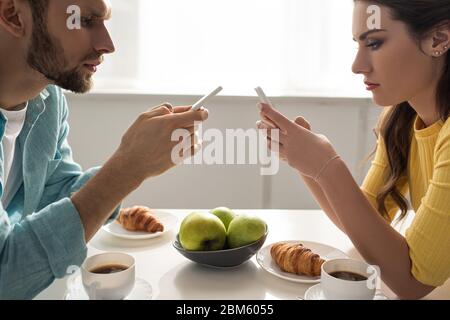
x: 326, y: 252
x: 142, y: 290
x: 316, y: 293
x: 167, y: 219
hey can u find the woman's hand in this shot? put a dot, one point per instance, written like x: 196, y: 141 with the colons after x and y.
x: 302, y: 149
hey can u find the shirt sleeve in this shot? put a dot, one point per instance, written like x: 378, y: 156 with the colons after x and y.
x: 429, y: 234
x: 39, y: 249
x: 376, y: 178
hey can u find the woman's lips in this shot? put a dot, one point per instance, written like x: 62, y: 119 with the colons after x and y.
x: 371, y: 86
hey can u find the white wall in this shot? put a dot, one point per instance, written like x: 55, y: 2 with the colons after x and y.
x: 99, y: 120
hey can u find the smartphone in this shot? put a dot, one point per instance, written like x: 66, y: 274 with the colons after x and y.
x: 263, y: 98
x: 200, y: 103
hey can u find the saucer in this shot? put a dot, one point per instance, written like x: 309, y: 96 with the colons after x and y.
x: 142, y: 290
x: 316, y: 293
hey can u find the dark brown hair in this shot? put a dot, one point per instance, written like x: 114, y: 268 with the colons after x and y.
x: 39, y: 11
x: 395, y: 125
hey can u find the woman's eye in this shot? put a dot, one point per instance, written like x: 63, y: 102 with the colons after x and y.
x: 374, y: 44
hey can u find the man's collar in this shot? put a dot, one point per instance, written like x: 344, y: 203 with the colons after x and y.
x: 44, y: 94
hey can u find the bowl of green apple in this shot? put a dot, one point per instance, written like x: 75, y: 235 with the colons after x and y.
x: 220, y: 238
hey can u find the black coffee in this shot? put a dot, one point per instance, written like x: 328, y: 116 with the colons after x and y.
x: 110, y: 268
x: 347, y: 275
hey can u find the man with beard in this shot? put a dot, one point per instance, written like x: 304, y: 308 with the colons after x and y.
x: 49, y: 208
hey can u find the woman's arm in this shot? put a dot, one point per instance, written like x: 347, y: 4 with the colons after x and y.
x: 322, y: 200
x: 314, y: 188
x: 372, y: 236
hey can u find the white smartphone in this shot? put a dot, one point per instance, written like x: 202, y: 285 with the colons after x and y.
x: 262, y: 96
x: 200, y: 103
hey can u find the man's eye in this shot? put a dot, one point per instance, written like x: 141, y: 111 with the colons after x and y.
x: 374, y: 44
x: 86, y: 22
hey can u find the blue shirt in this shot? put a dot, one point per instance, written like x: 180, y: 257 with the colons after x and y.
x: 41, y: 233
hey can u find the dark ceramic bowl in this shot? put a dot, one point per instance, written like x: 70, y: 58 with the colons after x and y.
x: 225, y: 258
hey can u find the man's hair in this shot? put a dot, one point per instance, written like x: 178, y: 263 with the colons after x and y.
x: 39, y: 11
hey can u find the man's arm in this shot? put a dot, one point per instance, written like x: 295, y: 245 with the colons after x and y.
x: 67, y: 176
x: 145, y: 151
x: 39, y: 249
x: 96, y: 201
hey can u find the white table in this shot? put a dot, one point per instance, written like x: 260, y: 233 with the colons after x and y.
x: 172, y: 276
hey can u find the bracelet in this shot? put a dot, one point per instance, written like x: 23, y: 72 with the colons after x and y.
x: 324, y: 167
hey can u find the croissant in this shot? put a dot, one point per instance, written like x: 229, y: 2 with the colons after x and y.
x: 295, y: 258
x: 139, y: 218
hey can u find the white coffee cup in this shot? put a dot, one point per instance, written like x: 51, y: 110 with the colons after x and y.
x: 108, y: 286
x: 339, y: 289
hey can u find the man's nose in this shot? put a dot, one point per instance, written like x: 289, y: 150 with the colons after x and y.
x: 103, y: 42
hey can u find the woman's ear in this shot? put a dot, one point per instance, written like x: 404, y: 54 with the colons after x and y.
x: 438, y: 42
x: 12, y: 17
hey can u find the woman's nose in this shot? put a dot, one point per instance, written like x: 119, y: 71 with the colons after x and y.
x: 361, y: 65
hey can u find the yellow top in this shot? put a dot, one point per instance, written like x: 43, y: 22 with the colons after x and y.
x: 428, y: 183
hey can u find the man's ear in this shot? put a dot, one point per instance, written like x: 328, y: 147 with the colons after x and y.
x: 438, y: 42
x: 12, y: 17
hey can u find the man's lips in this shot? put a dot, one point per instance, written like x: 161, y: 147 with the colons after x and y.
x: 92, y: 66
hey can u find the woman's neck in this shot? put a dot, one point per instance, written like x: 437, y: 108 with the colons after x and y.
x: 425, y: 105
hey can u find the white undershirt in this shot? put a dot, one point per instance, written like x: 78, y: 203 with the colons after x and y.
x: 14, y: 124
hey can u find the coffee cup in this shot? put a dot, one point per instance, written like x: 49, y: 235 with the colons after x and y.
x: 108, y: 276
x: 348, y: 279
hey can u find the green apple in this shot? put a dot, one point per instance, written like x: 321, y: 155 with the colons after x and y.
x: 244, y: 230
x: 201, y: 231
x: 224, y: 214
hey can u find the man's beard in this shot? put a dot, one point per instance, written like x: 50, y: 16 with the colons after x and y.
x: 46, y: 56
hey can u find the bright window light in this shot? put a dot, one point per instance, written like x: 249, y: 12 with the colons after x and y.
x: 289, y: 47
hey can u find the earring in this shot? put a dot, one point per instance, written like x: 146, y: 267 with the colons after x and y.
x: 437, y: 53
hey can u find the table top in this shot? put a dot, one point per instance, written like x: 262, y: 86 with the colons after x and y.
x: 173, y: 277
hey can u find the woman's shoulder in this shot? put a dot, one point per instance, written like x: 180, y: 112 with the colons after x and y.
x: 443, y: 139
x: 445, y: 130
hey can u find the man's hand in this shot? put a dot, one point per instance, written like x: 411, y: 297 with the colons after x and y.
x: 145, y: 151
x: 146, y: 147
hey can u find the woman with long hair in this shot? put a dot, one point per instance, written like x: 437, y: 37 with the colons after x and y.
x: 405, y: 62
